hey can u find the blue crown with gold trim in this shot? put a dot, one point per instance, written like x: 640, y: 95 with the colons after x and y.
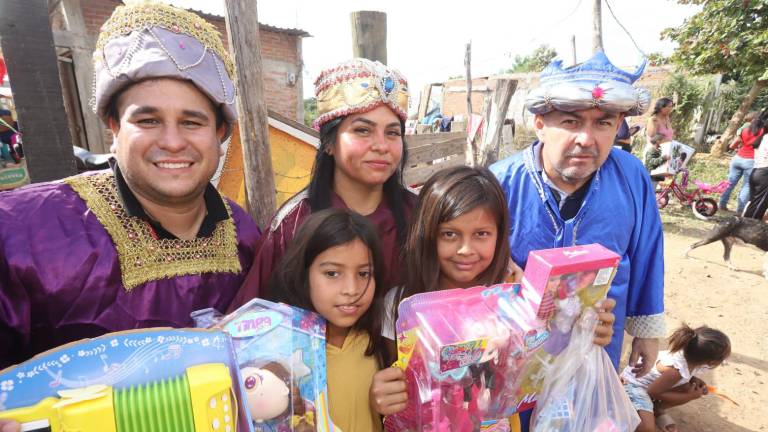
x: 596, y: 83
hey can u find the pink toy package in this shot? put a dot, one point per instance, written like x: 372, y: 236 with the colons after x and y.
x: 462, y: 351
x: 473, y: 357
x: 573, y: 280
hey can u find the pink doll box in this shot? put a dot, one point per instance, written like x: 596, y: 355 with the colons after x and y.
x: 591, y: 261
x: 570, y: 280
x: 462, y: 351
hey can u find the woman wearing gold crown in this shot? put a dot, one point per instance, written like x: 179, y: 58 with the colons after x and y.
x: 362, y: 106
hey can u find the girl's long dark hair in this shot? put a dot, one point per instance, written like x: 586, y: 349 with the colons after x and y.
x: 661, y: 104
x: 701, y: 345
x: 321, y: 182
x: 321, y: 231
x: 448, y: 194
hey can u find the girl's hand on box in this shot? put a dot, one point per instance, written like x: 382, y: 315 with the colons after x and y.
x: 9, y: 426
x: 604, y: 329
x: 387, y: 394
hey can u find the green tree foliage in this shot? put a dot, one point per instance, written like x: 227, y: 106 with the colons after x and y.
x: 535, y: 61
x: 657, y: 59
x: 310, y: 111
x: 687, y: 94
x: 734, y: 93
x: 728, y: 37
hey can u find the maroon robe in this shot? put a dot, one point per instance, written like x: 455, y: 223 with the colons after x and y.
x: 288, y: 220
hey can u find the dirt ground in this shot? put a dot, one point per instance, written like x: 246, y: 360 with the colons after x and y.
x: 704, y: 291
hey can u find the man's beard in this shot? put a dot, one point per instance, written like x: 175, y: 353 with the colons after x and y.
x: 571, y: 174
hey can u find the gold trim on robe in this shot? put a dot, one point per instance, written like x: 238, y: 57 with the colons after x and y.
x: 144, y: 258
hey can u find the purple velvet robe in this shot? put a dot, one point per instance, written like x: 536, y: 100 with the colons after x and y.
x: 61, y: 278
x: 288, y: 220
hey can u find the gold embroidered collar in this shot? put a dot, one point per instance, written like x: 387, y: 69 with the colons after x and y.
x: 144, y: 258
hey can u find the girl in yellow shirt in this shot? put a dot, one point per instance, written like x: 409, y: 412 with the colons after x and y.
x: 332, y: 268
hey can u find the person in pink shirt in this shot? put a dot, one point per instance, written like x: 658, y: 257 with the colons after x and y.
x: 659, y: 122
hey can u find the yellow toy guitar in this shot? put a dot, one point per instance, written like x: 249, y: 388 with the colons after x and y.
x: 201, y: 399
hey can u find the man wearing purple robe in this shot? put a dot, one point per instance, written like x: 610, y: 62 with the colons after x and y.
x: 150, y: 240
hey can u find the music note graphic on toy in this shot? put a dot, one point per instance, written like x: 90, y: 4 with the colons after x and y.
x: 56, y: 380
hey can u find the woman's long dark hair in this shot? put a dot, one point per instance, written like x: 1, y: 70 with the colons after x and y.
x: 321, y: 183
x: 758, y: 123
x: 448, y: 194
x: 661, y: 104
x: 321, y: 231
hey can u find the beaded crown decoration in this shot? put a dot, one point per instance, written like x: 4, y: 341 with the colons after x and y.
x: 359, y: 85
x: 596, y: 83
x: 146, y: 39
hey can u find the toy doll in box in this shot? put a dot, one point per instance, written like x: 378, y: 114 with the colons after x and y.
x: 462, y: 351
x: 280, y: 351
x: 574, y: 279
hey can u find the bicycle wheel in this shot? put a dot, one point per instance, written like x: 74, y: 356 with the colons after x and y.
x: 662, y: 199
x: 704, y: 208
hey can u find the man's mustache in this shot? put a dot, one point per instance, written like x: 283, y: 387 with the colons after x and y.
x: 581, y: 152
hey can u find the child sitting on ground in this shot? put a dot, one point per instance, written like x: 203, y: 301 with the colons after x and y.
x: 673, y: 380
x: 653, y: 158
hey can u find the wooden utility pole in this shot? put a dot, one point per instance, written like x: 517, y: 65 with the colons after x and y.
x: 468, y: 66
x: 424, y: 101
x: 471, y: 150
x: 369, y: 35
x: 82, y: 46
x: 597, y: 27
x: 245, y: 47
x: 27, y: 43
x: 495, y: 112
x: 573, y: 47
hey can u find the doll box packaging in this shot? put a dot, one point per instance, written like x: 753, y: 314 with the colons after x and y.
x: 570, y: 280
x: 280, y: 352
x: 585, y: 271
x: 462, y: 351
x: 141, y: 380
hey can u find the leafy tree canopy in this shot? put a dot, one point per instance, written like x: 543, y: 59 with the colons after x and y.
x: 729, y: 37
x: 657, y: 59
x: 535, y: 61
x: 310, y: 111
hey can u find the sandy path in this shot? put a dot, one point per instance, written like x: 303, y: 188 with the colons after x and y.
x: 704, y: 291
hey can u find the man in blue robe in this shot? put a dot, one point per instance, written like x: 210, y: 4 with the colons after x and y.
x: 571, y: 187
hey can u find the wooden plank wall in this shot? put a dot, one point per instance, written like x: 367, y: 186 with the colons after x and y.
x: 429, y: 153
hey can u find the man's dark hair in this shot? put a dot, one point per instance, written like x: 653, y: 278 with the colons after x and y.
x: 114, y: 114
